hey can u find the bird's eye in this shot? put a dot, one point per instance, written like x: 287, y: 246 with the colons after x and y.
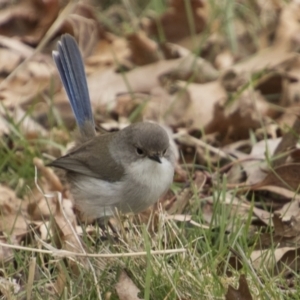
x: 139, y: 151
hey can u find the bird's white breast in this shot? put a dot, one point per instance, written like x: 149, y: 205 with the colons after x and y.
x: 144, y: 183
x: 152, y: 180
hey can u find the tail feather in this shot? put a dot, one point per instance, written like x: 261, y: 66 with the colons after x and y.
x: 70, y: 66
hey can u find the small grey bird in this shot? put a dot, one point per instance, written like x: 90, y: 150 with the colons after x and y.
x: 128, y: 170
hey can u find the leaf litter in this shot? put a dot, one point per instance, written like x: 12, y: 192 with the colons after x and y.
x: 230, y: 103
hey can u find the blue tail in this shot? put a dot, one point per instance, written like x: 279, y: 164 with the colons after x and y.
x: 71, y: 70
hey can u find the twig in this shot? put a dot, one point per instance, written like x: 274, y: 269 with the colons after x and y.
x: 186, y: 138
x: 65, y: 253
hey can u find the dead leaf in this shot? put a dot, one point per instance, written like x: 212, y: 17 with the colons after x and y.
x: 29, y: 19
x: 61, y: 281
x: 287, y: 226
x: 224, y: 60
x: 243, y: 291
x: 143, y: 50
x: 263, y: 215
x: 178, y: 205
x: 83, y: 24
x: 273, y: 58
x: 48, y: 173
x: 290, y: 93
x: 9, y: 287
x: 28, y: 82
x: 286, y: 37
x: 43, y: 208
x: 234, y: 263
x: 290, y: 209
x: 256, y: 167
x: 143, y: 79
x: 14, y: 219
x: 65, y: 237
x: 237, y: 209
x: 192, y: 69
x: 248, y: 111
x: 268, y: 258
x: 285, y: 193
x: 286, y: 176
x: 174, y: 23
x: 289, y: 141
x: 276, y: 260
x: 8, y: 60
x: 279, y: 227
x: 235, y: 174
x: 28, y: 126
x: 110, y: 51
x: 289, y: 261
x: 7, y: 253
x: 202, y: 112
x: 126, y: 289
x: 4, y: 126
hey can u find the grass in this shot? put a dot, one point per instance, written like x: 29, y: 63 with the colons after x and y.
x: 198, y: 273
x: 201, y: 272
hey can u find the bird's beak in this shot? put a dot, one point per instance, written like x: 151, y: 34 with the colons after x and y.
x: 155, y: 157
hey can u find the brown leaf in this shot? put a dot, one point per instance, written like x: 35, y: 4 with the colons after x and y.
x: 203, y: 112
x: 27, y: 82
x: 286, y: 36
x: 110, y: 51
x: 286, y: 176
x: 61, y: 281
x: 43, y: 209
x: 174, y: 23
x: 289, y: 141
x: 192, y: 69
x: 263, y: 215
x: 7, y: 253
x: 234, y: 262
x: 289, y: 261
x: 285, y: 193
x: 268, y: 258
x: 242, y: 293
x: 8, y: 60
x: 145, y: 79
x: 276, y: 260
x: 224, y: 60
x: 290, y: 209
x: 4, y: 126
x: 83, y: 24
x: 290, y: 91
x: 239, y: 208
x: 244, y: 114
x: 267, y: 59
x: 143, y: 50
x: 28, y: 126
x: 13, y: 215
x: 66, y: 238
x: 29, y: 19
x: 45, y: 13
x: 279, y: 227
x: 48, y: 173
x: 10, y: 287
x: 177, y: 206
x: 126, y: 289
x: 65, y: 233
x: 287, y: 222
x: 256, y: 168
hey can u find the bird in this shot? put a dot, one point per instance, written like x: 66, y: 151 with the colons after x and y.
x: 124, y: 171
